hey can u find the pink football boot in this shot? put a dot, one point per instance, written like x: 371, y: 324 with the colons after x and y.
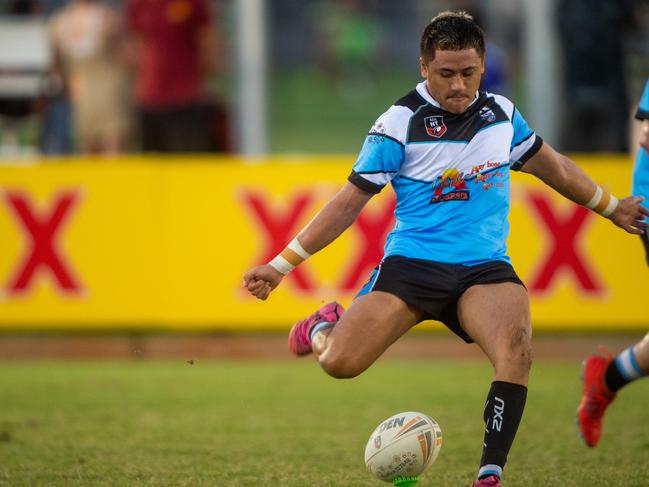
x: 299, y: 338
x: 491, y: 481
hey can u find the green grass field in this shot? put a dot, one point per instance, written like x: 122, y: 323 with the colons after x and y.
x: 288, y: 424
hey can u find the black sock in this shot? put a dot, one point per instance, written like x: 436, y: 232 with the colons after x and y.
x: 502, y: 415
x: 614, y: 379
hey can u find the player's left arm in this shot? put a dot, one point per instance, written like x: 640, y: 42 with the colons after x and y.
x: 568, y: 179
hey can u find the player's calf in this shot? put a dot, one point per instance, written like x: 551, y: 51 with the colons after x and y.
x: 502, y: 415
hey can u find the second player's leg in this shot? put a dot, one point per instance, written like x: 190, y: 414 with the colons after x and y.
x: 641, y: 351
x: 602, y: 378
x: 372, y: 323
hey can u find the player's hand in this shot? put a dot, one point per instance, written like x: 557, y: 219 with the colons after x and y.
x: 261, y: 280
x: 630, y: 215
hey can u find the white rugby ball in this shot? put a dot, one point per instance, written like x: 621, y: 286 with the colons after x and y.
x: 404, y: 445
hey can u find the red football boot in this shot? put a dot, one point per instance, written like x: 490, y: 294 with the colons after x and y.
x: 596, y: 398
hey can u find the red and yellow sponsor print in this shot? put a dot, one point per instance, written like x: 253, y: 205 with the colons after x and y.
x: 139, y: 243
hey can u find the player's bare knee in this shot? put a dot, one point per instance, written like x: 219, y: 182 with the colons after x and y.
x: 340, y: 365
x: 517, y: 350
x: 520, y: 345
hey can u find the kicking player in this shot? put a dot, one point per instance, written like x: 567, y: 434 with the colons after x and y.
x: 604, y: 376
x: 447, y: 150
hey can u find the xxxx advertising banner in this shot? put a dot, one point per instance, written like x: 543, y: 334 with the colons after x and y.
x: 141, y: 244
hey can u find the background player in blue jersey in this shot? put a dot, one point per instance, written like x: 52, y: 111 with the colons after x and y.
x: 447, y: 151
x: 604, y: 376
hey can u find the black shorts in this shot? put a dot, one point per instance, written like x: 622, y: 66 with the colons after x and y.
x: 645, y: 241
x: 434, y: 287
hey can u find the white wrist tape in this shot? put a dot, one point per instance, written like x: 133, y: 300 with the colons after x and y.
x: 602, y: 202
x: 594, y: 201
x: 281, y: 265
x: 293, y: 255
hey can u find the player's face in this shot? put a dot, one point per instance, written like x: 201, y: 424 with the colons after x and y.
x: 453, y: 77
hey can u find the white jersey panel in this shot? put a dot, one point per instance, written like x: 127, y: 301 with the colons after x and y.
x: 393, y: 123
x: 429, y: 161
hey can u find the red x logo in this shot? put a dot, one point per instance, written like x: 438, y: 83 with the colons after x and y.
x: 42, y: 230
x: 280, y: 227
x: 565, y: 254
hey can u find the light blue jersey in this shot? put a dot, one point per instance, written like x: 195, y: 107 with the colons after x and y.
x: 450, y: 173
x: 641, y: 169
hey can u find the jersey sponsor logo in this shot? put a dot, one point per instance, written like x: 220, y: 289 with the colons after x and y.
x: 435, y: 126
x: 452, y: 196
x: 486, y: 166
x: 451, y: 187
x: 487, y: 114
x: 378, y: 128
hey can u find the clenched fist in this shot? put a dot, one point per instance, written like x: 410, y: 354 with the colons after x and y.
x: 261, y: 280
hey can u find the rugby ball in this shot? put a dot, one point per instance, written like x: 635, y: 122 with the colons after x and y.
x: 404, y: 445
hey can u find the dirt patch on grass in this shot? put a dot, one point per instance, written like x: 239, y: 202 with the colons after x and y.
x: 194, y: 347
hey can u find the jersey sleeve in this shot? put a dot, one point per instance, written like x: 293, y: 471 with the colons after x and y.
x: 643, y: 108
x: 525, y: 142
x: 383, y: 151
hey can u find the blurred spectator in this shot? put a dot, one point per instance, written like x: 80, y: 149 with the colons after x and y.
x: 56, y: 126
x: 176, y: 48
x: 592, y: 34
x: 89, y: 51
x: 350, y: 36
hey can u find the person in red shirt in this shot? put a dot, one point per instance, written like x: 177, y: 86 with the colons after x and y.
x: 175, y: 50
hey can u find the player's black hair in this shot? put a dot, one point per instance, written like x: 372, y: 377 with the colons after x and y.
x: 451, y: 31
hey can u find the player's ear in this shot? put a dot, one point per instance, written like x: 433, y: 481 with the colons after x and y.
x: 423, y: 68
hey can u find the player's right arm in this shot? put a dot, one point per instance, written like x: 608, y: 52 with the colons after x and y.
x: 337, y: 215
